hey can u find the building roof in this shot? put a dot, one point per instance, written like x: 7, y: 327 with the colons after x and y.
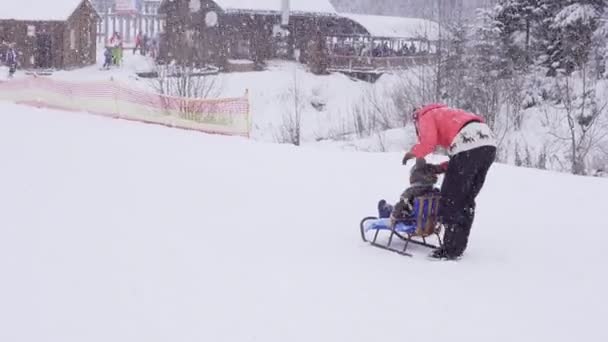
x: 396, y: 27
x: 39, y: 10
x: 323, y: 7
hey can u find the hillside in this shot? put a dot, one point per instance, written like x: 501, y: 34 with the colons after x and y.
x: 117, y: 231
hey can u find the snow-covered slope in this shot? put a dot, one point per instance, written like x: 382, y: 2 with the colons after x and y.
x: 117, y: 231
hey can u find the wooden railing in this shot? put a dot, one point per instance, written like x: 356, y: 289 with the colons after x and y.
x: 376, y: 64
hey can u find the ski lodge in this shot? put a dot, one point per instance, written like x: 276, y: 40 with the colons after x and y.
x: 214, y: 31
x: 382, y: 43
x: 50, y: 34
x: 222, y: 32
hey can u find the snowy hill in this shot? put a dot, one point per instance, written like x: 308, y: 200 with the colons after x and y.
x: 116, y: 231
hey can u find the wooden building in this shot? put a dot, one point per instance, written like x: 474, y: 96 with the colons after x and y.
x: 395, y: 33
x: 373, y: 43
x: 61, y: 34
x: 215, y: 31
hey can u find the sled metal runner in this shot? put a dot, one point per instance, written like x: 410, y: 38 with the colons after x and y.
x: 415, y: 231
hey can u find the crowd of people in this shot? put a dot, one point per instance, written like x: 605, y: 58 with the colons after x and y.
x: 113, y: 55
x: 377, y: 49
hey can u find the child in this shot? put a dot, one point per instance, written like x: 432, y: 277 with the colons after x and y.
x: 116, y: 43
x: 422, y: 182
x: 107, y: 58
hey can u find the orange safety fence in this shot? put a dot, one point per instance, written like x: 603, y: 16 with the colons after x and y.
x: 228, y: 116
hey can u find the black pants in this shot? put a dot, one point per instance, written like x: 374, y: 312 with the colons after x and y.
x: 463, y: 181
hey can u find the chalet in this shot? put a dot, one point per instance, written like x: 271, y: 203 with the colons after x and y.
x: 396, y: 32
x: 219, y: 31
x: 212, y: 31
x: 371, y: 45
x: 50, y: 34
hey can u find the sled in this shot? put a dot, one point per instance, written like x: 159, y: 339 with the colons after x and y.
x: 415, y: 230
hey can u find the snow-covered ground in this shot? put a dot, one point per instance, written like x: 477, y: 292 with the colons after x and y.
x: 328, y: 107
x: 118, y: 231
x: 274, y: 94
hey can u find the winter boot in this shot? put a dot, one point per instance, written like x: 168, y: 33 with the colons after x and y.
x: 442, y: 254
x: 452, y: 243
x: 384, y: 209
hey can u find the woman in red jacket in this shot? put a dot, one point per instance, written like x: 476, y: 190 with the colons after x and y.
x: 471, y: 146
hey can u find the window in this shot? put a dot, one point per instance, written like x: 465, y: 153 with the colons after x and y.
x: 31, y: 30
x: 72, y: 39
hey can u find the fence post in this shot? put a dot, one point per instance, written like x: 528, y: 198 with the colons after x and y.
x: 249, y: 118
x: 115, y: 96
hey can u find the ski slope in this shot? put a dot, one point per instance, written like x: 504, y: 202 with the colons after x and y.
x: 122, y: 232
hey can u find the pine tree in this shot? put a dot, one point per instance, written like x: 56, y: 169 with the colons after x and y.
x: 479, y: 65
x: 599, y: 49
x: 517, y: 20
x: 455, y: 68
x: 489, y: 64
x: 566, y: 33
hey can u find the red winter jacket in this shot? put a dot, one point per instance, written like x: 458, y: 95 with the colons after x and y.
x: 438, y: 125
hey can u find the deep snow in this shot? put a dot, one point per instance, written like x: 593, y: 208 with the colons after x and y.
x: 117, y: 231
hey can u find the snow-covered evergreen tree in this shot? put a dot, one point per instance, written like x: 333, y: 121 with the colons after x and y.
x: 489, y: 66
x: 455, y: 68
x: 518, y: 20
x: 599, y: 48
x: 477, y: 66
x: 574, y: 25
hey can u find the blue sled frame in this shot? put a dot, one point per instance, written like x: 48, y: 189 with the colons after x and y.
x: 417, y: 230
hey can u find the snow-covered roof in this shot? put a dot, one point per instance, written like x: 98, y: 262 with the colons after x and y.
x: 396, y: 27
x: 38, y: 10
x: 297, y: 6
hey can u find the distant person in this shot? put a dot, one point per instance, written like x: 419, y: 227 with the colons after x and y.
x: 366, y: 51
x: 11, y: 60
x: 145, y: 44
x: 108, y: 59
x: 138, y: 43
x: 413, y: 49
x: 116, y: 43
x: 471, y: 146
x: 154, y: 45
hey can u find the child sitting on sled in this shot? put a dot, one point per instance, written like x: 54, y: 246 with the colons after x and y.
x: 423, y: 178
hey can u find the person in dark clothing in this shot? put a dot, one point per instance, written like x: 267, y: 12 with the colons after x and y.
x: 472, y: 149
x: 139, y: 44
x: 107, y: 58
x: 11, y: 60
x: 145, y: 45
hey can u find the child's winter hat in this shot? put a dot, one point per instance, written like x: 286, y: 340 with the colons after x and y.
x: 422, y: 174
